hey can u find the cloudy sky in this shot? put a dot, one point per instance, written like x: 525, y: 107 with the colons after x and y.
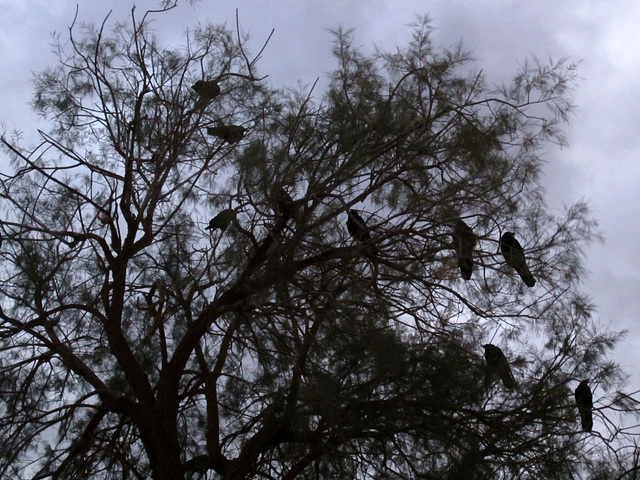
x: 601, y: 164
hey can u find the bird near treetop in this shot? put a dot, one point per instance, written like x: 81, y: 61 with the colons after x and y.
x: 513, y: 254
x: 207, y: 90
x: 584, y: 402
x: 228, y: 133
x: 222, y: 220
x: 464, y: 241
x: 358, y: 229
x: 497, y: 364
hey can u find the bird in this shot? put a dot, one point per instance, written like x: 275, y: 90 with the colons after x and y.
x: 207, y: 90
x: 497, y: 364
x: 513, y: 254
x: 358, y: 229
x: 356, y: 226
x: 464, y: 241
x: 222, y: 220
x: 228, y: 133
x: 284, y: 203
x: 584, y: 402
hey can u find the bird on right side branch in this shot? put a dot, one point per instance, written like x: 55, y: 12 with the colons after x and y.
x: 513, y: 254
x: 584, y: 402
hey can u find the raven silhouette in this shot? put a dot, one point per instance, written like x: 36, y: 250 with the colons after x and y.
x: 584, y: 402
x: 359, y: 230
x: 222, y: 220
x: 513, y: 254
x: 497, y: 364
x: 464, y: 241
x: 207, y: 90
x: 285, y: 203
x: 228, y: 133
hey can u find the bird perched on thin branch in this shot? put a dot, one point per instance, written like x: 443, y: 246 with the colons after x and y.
x: 513, y: 254
x: 284, y: 202
x: 228, y: 133
x: 464, y: 241
x: 359, y: 230
x: 222, y: 220
x: 584, y: 402
x: 497, y: 364
x: 207, y: 90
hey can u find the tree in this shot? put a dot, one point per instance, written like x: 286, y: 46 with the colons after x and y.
x: 135, y: 344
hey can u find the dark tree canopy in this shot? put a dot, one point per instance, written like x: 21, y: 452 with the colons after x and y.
x: 134, y: 343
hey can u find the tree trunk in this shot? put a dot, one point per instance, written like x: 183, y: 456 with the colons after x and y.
x: 160, y: 439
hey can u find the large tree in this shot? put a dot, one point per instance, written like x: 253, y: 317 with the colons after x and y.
x: 144, y: 335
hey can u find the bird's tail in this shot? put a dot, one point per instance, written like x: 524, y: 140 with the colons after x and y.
x: 526, y: 276
x: 507, y: 378
x: 466, y: 267
x: 586, y: 419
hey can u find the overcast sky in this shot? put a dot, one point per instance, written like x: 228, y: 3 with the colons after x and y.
x: 600, y: 164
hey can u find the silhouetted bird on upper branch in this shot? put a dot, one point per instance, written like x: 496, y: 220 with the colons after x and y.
x: 207, y: 90
x: 513, y: 254
x: 286, y: 205
x: 584, y: 402
x: 497, y: 364
x: 464, y: 241
x: 222, y: 220
x: 358, y: 229
x: 228, y: 133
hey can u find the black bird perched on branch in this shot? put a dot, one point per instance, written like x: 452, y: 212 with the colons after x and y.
x: 228, y: 133
x: 222, y: 220
x: 497, y: 364
x: 464, y: 241
x: 584, y: 401
x: 513, y: 254
x: 207, y: 90
x: 359, y: 230
x: 284, y: 203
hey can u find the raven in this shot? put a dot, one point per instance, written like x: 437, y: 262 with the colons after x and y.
x: 228, y: 133
x: 222, y: 220
x: 584, y: 402
x: 284, y: 203
x: 464, y: 241
x: 207, y: 90
x: 358, y: 229
x: 497, y: 364
x: 513, y: 254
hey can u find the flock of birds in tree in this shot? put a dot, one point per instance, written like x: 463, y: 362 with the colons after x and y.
x: 207, y: 91
x: 497, y: 364
x: 464, y: 241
